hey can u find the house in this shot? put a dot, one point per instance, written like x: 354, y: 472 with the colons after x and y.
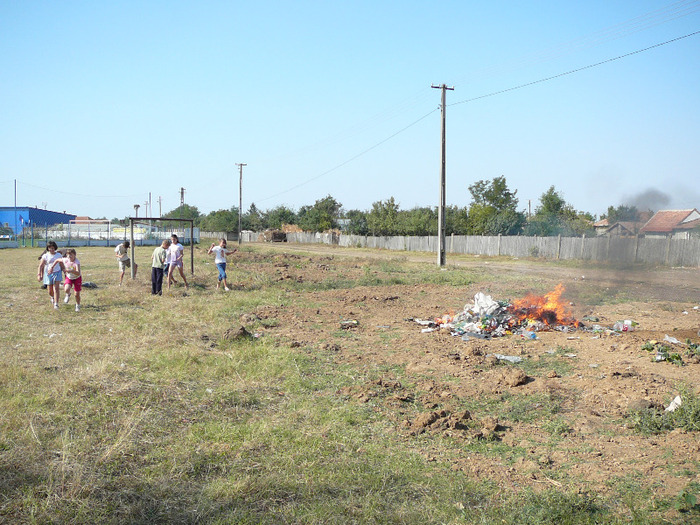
x: 601, y: 227
x: 677, y: 224
x: 623, y: 229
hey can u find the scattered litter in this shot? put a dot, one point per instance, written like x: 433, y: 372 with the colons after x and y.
x: 625, y: 326
x: 591, y: 318
x: 487, y: 318
x: 350, y: 323
x: 427, y: 330
x: 672, y: 340
x: 570, y: 356
x: 210, y: 391
x: 593, y: 365
x: 684, y: 312
x: 572, y: 338
x: 89, y: 284
x: 676, y: 403
x: 509, y: 358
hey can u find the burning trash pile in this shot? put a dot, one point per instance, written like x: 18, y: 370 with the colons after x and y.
x: 487, y: 318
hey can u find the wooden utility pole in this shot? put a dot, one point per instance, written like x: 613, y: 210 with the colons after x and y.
x: 441, y: 208
x: 240, y: 198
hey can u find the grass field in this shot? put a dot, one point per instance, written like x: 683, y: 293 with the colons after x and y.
x: 139, y: 409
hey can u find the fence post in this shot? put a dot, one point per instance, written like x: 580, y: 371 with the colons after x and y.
x: 636, y: 248
x: 668, y: 251
x: 559, y: 246
x: 583, y: 245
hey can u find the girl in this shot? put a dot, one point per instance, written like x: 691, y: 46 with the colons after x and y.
x: 221, y: 252
x: 74, y: 279
x: 49, y: 274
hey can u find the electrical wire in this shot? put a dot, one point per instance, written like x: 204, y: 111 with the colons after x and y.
x: 571, y: 72
x: 53, y: 190
x: 351, y: 158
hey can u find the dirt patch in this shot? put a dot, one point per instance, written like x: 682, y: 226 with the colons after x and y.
x: 560, y: 416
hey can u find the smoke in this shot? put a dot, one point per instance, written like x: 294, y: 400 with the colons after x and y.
x: 650, y: 199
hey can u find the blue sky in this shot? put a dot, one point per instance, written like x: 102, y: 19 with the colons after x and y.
x: 104, y: 102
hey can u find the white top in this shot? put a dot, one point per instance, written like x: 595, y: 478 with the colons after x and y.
x: 49, y: 259
x: 72, y: 268
x: 220, y: 254
x: 175, y: 252
x: 122, y: 251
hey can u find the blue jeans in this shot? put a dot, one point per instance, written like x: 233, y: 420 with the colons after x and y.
x: 222, y: 270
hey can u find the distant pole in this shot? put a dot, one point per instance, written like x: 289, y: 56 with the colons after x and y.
x: 160, y: 206
x: 441, y: 208
x: 240, y: 198
x: 15, y: 228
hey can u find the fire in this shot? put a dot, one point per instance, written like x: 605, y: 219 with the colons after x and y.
x: 549, y: 309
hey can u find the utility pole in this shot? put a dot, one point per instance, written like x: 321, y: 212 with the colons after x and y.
x: 182, y: 201
x: 136, y: 210
x: 160, y: 206
x: 240, y: 198
x: 441, y: 208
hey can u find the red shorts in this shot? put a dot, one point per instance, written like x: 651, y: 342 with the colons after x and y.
x: 77, y: 283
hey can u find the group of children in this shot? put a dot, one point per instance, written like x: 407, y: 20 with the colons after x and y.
x: 51, y: 268
x: 164, y: 260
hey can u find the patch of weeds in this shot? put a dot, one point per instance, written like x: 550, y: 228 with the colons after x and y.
x: 655, y: 421
x: 525, y: 409
x: 546, y: 362
x: 557, y: 427
x: 663, y: 352
x: 688, y: 501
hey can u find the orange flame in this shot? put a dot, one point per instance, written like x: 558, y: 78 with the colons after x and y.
x: 549, y: 308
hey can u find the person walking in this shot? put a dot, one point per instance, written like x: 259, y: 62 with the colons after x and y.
x: 50, y: 273
x: 159, y: 262
x: 220, y: 253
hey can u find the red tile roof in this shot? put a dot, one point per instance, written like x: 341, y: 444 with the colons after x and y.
x: 666, y: 221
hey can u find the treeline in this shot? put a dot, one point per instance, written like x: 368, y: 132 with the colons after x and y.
x: 492, y: 211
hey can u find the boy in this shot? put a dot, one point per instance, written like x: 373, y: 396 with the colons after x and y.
x: 159, y: 261
x: 121, y: 252
x: 221, y: 252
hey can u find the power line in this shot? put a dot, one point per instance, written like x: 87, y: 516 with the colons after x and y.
x: 571, y: 72
x: 53, y: 190
x: 350, y: 159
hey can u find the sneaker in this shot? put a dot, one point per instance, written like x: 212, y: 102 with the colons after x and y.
x: 55, y: 306
x: 227, y: 288
x: 77, y: 307
x: 67, y: 298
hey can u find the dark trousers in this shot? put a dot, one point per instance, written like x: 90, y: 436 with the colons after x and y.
x: 157, y: 281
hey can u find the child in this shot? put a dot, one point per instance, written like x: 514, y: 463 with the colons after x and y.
x: 159, y: 259
x: 221, y: 252
x: 74, y: 279
x: 121, y: 252
x: 176, y: 252
x: 49, y: 274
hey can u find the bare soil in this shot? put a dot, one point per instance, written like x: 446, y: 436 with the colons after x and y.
x: 423, y: 381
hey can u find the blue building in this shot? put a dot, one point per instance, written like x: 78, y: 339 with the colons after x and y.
x: 19, y: 217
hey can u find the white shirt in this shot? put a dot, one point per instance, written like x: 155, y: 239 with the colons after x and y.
x: 220, y: 254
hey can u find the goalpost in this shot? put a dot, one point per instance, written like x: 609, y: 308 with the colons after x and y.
x: 133, y: 220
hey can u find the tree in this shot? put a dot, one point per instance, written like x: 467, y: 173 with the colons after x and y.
x: 622, y: 213
x: 554, y: 216
x: 322, y: 216
x: 220, y: 221
x: 358, y: 222
x: 383, y: 218
x: 493, y: 209
x: 184, y: 211
x: 278, y: 216
x: 252, y: 220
